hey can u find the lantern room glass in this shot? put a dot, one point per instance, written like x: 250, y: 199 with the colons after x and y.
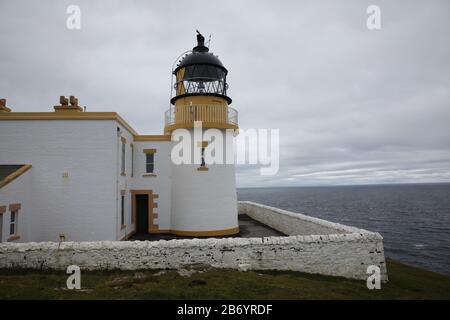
x: 203, y: 79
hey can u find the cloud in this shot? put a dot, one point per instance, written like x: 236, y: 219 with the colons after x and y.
x: 352, y: 105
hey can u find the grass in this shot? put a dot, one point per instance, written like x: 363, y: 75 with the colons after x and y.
x: 405, y: 282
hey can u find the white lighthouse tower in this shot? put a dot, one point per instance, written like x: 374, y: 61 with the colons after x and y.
x: 204, y: 201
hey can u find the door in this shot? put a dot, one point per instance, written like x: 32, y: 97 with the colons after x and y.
x: 142, y: 213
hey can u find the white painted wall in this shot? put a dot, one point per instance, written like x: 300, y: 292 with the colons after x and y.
x: 204, y: 200
x: 87, y: 204
x: 160, y: 183
x: 81, y: 206
x: 123, y: 182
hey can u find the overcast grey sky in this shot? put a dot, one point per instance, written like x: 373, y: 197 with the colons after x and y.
x: 352, y: 105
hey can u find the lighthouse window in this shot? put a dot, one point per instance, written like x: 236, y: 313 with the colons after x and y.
x: 203, y: 164
x: 150, y: 162
x: 202, y: 79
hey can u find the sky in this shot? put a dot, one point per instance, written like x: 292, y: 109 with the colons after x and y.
x: 352, y: 105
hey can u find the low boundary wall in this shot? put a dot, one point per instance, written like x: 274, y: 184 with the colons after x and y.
x: 339, y: 251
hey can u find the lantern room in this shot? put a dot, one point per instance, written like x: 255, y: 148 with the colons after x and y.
x: 199, y: 91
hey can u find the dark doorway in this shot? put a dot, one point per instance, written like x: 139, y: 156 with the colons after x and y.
x: 141, y: 213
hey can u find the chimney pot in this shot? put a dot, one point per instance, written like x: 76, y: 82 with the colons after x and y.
x: 63, y: 100
x: 73, y: 101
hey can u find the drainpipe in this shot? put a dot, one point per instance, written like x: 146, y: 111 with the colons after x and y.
x: 117, y: 182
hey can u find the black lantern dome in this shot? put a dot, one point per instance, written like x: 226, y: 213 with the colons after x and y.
x: 200, y: 73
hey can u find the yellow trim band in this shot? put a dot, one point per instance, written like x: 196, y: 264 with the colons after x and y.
x: 202, y: 144
x: 13, y: 238
x: 209, y: 233
x: 67, y: 116
x: 153, y: 137
x: 216, y: 125
x: 146, y: 151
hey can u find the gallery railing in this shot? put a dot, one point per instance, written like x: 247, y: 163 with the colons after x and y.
x: 209, y: 113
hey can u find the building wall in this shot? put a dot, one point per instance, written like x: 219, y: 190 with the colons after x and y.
x: 82, y: 205
x: 77, y: 181
x: 160, y: 182
x: 204, y: 200
x: 123, y: 182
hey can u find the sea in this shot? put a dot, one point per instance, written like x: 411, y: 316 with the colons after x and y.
x: 414, y: 219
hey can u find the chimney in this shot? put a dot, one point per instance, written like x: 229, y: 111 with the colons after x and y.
x: 66, y: 107
x: 3, y: 107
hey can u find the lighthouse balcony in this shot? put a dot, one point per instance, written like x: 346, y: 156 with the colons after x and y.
x: 211, y: 116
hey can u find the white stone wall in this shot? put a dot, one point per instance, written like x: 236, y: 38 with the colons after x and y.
x: 336, y: 255
x: 339, y: 254
x: 292, y: 223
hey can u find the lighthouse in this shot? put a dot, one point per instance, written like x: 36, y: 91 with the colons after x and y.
x: 204, y: 201
x: 130, y: 180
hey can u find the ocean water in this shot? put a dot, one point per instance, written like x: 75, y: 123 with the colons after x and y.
x: 414, y: 219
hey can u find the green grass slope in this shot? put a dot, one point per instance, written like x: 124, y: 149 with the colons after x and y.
x: 405, y: 282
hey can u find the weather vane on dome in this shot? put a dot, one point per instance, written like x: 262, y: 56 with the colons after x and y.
x: 200, y: 39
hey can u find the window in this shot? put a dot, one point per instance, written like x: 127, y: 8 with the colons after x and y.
x: 2, y: 211
x: 202, y: 145
x: 1, y: 227
x: 132, y: 159
x: 123, y: 157
x: 150, y: 162
x: 13, y: 226
x: 203, y: 164
x: 122, y: 210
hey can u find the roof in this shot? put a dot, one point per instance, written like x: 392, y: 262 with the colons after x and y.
x: 200, y: 55
x: 9, y: 172
x: 200, y: 58
x: 67, y: 116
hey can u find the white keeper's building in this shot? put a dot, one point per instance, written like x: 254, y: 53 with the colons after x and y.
x: 74, y: 175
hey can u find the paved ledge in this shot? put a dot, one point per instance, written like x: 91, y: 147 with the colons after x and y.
x: 248, y: 228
